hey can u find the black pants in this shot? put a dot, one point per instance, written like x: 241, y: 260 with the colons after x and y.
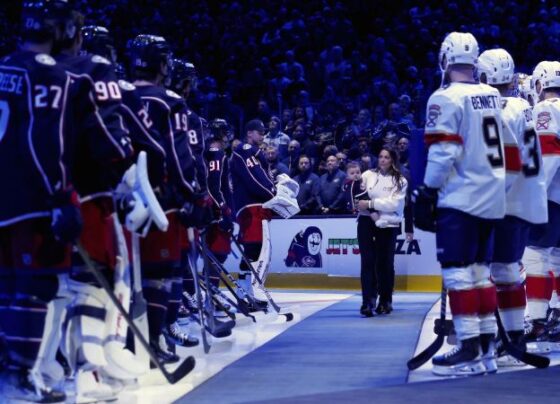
x: 377, y: 255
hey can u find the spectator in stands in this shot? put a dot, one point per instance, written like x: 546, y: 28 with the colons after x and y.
x: 331, y: 197
x: 275, y: 167
x: 291, y: 161
x: 308, y: 187
x: 342, y: 159
x: 275, y: 137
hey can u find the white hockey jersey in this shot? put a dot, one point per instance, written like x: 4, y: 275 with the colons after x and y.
x: 525, y: 179
x: 546, y: 115
x: 466, y: 156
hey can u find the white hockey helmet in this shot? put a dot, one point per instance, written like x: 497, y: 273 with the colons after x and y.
x: 526, y: 88
x: 497, y: 66
x: 458, y: 48
x: 546, y: 75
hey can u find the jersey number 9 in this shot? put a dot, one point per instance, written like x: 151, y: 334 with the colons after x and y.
x: 492, y: 140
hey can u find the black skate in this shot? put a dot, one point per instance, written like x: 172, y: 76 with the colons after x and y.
x: 463, y: 360
x: 536, y: 337
x: 190, y: 303
x: 217, y: 328
x: 553, y: 327
x: 505, y: 360
x: 165, y: 357
x: 33, y: 390
x: 176, y: 336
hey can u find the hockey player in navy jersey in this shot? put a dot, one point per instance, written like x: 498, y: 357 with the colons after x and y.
x: 161, y: 252
x: 38, y: 209
x: 465, y: 185
x: 252, y: 186
x: 525, y: 196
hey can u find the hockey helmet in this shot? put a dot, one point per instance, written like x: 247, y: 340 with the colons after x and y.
x: 220, y: 130
x: 546, y: 75
x: 98, y: 40
x: 147, y: 52
x: 41, y: 18
x: 458, y: 48
x: 496, y: 67
x: 181, y: 73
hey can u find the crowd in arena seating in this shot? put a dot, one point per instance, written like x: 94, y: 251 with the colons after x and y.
x: 328, y: 78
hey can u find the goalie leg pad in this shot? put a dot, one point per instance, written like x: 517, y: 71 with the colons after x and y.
x: 86, y: 329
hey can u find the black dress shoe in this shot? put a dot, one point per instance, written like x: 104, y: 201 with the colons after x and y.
x: 384, y: 308
x: 366, y: 310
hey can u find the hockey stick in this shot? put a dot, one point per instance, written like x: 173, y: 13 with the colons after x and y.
x: 225, y: 276
x: 172, y: 377
x: 536, y: 361
x: 217, y: 328
x: 192, y: 265
x: 139, y: 309
x: 430, y: 351
x: 262, y: 288
x: 217, y: 301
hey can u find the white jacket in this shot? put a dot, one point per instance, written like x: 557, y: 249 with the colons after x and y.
x: 385, y: 197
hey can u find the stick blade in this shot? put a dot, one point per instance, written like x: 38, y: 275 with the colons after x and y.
x: 537, y: 361
x: 184, y: 369
x: 426, y: 354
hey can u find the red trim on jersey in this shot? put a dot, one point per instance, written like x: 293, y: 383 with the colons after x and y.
x: 549, y: 143
x: 431, y: 138
x: 513, y: 158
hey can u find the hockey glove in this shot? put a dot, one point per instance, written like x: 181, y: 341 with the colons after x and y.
x: 425, y: 203
x: 66, y: 218
x: 197, y: 213
x: 226, y: 222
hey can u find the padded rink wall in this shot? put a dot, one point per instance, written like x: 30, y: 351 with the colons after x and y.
x: 323, y: 253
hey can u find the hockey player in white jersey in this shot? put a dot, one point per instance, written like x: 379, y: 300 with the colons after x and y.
x: 462, y: 195
x: 525, y: 195
x: 543, y: 255
x: 526, y: 88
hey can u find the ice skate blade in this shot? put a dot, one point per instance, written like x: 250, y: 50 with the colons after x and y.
x: 474, y: 368
x: 490, y: 365
x: 542, y: 348
x: 508, y: 361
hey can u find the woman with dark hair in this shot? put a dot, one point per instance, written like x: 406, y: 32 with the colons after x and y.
x: 379, y: 218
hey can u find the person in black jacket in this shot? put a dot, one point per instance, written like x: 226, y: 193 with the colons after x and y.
x: 331, y: 197
x: 308, y: 187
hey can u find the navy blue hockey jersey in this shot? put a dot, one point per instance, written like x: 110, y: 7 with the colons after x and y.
x: 168, y: 112
x: 101, y: 147
x: 218, y: 177
x: 249, y: 175
x: 33, y: 97
x: 142, y: 132
x: 195, y: 137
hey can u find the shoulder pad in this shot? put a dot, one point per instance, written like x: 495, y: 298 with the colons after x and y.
x: 172, y: 94
x: 45, y: 59
x: 246, y: 146
x: 125, y: 85
x: 100, y: 59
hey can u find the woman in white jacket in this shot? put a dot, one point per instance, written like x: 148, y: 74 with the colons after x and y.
x: 380, y: 214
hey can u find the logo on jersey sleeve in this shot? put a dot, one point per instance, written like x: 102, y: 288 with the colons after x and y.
x: 125, y: 85
x: 45, y: 59
x: 543, y: 120
x: 434, y: 111
x: 172, y: 94
x: 100, y: 59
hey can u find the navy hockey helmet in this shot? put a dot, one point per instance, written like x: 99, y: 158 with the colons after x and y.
x: 181, y: 74
x: 147, y: 52
x: 98, y: 40
x: 41, y: 18
x: 220, y: 130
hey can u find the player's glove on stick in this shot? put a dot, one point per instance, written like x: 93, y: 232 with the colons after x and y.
x: 425, y: 203
x: 226, y: 221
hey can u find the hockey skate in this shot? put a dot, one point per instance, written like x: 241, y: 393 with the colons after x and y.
x: 176, y: 335
x: 463, y: 360
x: 536, y: 337
x: 255, y: 304
x: 190, y: 303
x: 489, y: 353
x: 165, y: 357
x: 21, y: 385
x: 504, y: 360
